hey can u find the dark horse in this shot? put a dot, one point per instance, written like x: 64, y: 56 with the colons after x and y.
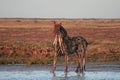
x: 65, y: 45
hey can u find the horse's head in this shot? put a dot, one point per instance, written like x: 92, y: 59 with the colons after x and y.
x: 58, y: 28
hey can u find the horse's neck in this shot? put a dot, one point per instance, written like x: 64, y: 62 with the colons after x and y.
x: 66, y: 39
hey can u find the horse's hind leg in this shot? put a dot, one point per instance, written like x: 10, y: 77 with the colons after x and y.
x: 66, y: 63
x: 83, y: 61
x: 78, y: 56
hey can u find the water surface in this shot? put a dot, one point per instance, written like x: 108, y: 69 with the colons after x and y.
x: 94, y: 71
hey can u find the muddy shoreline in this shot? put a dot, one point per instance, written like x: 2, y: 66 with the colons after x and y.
x: 91, y: 66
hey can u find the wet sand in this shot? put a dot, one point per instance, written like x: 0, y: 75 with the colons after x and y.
x: 94, y: 71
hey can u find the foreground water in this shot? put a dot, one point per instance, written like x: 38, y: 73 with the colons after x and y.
x: 94, y: 71
x: 46, y: 75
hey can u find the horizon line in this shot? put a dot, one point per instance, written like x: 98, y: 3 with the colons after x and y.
x: 63, y: 18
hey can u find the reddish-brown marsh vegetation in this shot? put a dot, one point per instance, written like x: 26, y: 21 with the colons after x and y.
x: 30, y: 40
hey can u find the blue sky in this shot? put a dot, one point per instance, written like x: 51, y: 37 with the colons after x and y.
x: 59, y: 8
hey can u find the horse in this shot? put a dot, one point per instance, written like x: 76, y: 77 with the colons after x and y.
x: 66, y: 45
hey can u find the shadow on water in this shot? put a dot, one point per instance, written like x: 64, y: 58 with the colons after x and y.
x: 68, y: 76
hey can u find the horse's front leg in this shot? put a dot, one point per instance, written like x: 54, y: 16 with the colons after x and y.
x: 54, y: 61
x: 66, y: 62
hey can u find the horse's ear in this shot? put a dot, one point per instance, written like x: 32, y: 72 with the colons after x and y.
x: 54, y: 22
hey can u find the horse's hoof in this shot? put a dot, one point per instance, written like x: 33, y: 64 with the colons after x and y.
x: 52, y: 71
x: 66, y: 71
x: 76, y: 70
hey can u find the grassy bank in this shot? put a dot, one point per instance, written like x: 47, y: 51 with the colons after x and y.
x: 42, y: 53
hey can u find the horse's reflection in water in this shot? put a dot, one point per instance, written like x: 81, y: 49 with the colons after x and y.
x: 66, y: 76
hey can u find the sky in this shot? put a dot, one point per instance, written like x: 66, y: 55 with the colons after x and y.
x: 59, y: 8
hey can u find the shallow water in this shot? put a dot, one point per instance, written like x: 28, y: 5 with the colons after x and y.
x: 94, y: 71
x: 46, y: 75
